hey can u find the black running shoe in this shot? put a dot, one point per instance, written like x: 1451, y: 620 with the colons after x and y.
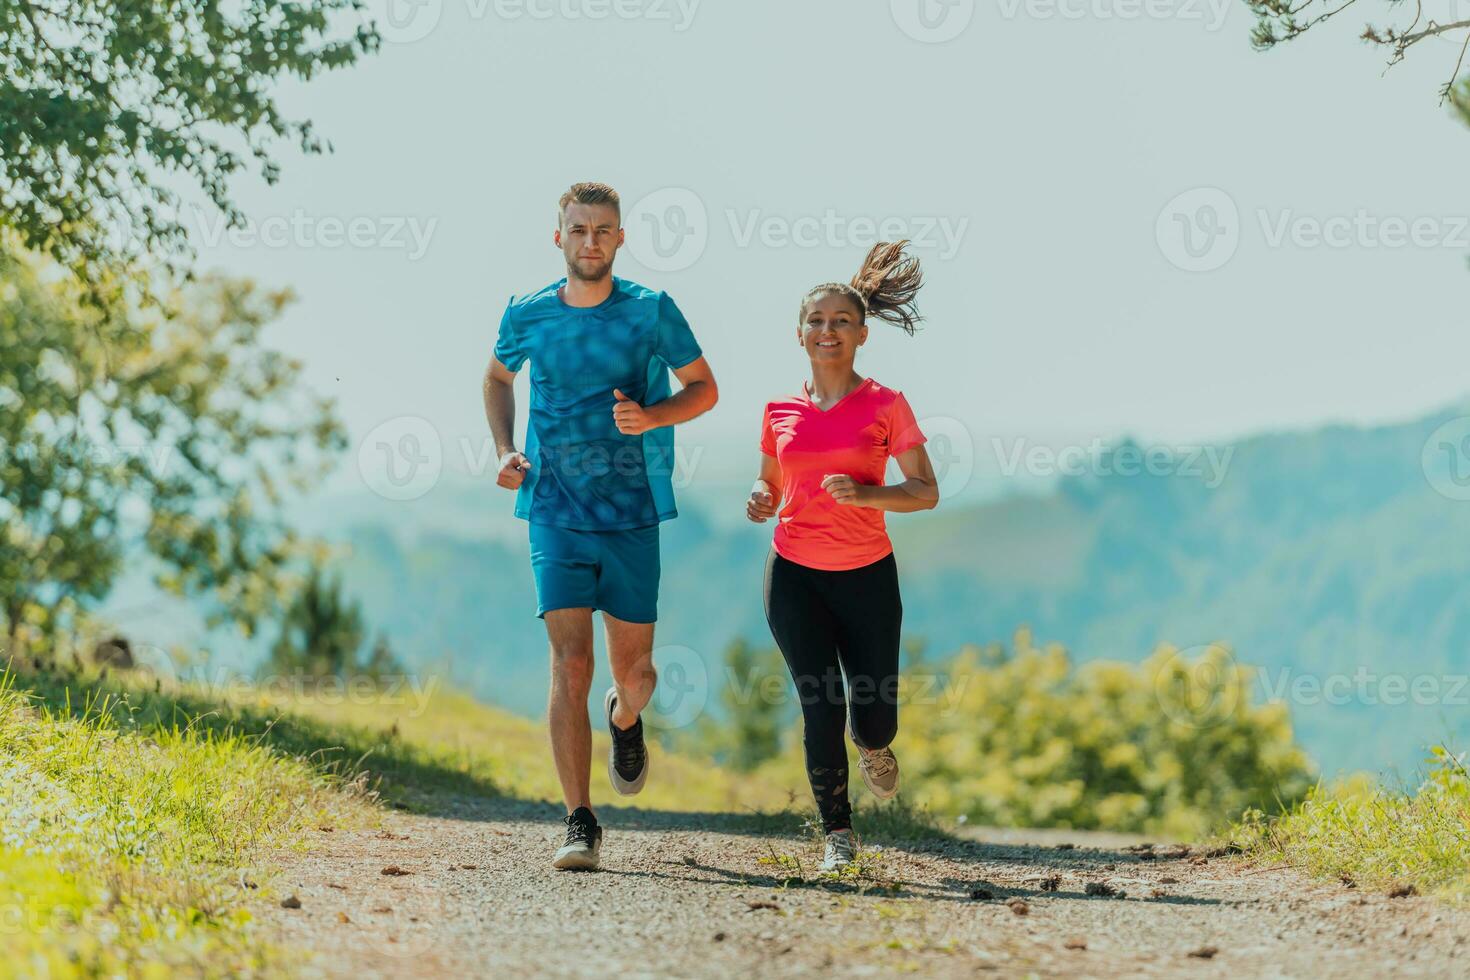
x: 627, y: 760
x: 583, y: 844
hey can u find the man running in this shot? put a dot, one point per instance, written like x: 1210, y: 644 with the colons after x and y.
x: 594, y: 482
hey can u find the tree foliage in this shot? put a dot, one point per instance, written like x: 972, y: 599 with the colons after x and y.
x: 105, y: 104
x: 322, y: 635
x: 126, y: 430
x: 1283, y: 20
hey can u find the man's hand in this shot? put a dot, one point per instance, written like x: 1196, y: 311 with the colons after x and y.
x: 844, y: 489
x: 761, y: 506
x: 630, y: 416
x: 513, y: 467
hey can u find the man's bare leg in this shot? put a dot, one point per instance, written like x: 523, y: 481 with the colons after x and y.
x: 570, y: 635
x: 630, y: 654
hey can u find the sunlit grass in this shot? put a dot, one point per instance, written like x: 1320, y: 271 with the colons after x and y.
x: 510, y: 755
x: 1374, y: 837
x: 499, y: 749
x: 137, y: 849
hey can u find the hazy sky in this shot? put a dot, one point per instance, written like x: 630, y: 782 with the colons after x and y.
x: 1038, y: 156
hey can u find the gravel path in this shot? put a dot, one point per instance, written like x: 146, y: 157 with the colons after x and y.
x: 471, y: 894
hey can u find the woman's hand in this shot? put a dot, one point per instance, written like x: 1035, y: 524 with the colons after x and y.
x: 761, y: 506
x: 844, y: 489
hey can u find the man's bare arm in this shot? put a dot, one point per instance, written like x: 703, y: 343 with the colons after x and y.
x: 697, y: 396
x: 500, y: 412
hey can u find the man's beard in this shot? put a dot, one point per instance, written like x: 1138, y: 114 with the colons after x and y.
x: 587, y: 272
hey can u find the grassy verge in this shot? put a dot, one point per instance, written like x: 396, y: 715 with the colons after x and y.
x: 1374, y: 837
x: 296, y: 725
x: 129, y: 846
x: 444, y: 742
x: 495, y: 751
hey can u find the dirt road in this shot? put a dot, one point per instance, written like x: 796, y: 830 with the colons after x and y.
x: 470, y: 893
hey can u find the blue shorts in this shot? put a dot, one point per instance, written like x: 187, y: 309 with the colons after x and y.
x: 615, y: 571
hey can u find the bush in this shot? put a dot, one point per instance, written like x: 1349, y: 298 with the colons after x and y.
x: 1171, y: 746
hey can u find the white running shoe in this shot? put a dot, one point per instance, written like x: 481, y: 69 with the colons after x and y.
x: 627, y: 757
x: 583, y: 846
x: 840, y: 851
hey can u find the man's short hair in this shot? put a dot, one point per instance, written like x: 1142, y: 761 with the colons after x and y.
x: 589, y: 192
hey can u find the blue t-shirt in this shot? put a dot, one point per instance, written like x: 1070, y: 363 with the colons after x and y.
x: 585, y: 474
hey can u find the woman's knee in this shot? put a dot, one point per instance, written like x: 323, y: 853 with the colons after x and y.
x: 874, y: 726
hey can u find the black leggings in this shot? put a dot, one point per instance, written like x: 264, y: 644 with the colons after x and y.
x: 823, y: 621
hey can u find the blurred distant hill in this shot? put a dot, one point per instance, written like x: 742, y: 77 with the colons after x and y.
x: 1319, y: 555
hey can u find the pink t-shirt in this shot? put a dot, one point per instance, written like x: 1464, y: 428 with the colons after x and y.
x: 855, y: 437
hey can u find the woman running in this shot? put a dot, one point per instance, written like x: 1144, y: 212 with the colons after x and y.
x: 831, y: 582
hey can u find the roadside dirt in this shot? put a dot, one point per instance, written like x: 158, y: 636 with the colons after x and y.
x: 471, y: 893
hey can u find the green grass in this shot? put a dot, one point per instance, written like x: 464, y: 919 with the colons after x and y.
x: 417, y: 747
x: 130, y: 846
x: 441, y: 741
x: 1375, y: 837
x: 300, y: 725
